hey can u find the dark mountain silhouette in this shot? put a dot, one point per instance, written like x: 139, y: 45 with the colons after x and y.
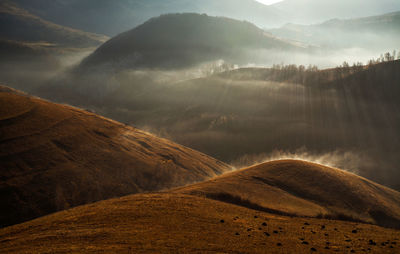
x: 20, y: 25
x: 182, y: 40
x: 53, y: 157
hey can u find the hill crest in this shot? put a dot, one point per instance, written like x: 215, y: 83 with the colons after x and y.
x: 302, y: 188
x: 183, y: 40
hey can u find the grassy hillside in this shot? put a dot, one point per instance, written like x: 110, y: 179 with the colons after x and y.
x: 304, y: 189
x: 53, y: 157
x: 20, y: 25
x: 183, y: 40
x: 170, y: 223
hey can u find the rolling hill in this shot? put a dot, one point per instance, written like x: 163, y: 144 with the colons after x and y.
x: 166, y: 223
x: 88, y: 15
x: 20, y: 25
x: 300, y: 188
x: 374, y: 32
x: 183, y: 40
x: 53, y: 157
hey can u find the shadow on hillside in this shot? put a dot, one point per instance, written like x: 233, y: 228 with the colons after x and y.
x: 381, y: 218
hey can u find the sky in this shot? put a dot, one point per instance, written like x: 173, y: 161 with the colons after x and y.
x: 267, y: 2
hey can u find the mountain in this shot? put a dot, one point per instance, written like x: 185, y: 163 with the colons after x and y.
x: 375, y: 32
x: 182, y: 40
x: 171, y: 223
x: 314, y: 11
x: 301, y: 188
x: 20, y: 25
x: 114, y: 17
x: 54, y: 157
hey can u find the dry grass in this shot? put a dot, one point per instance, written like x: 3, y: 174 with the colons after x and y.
x: 175, y: 223
x: 305, y: 189
x: 53, y: 157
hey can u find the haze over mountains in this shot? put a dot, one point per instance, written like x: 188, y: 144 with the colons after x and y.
x: 37, y: 46
x: 20, y: 25
x: 372, y: 33
x: 114, y: 17
x: 184, y: 40
x: 245, y: 114
x: 296, y: 147
x: 316, y: 11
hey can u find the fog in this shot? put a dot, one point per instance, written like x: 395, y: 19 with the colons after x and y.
x: 245, y: 116
x: 28, y: 67
x: 243, y: 104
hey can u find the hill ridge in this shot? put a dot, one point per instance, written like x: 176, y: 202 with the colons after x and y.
x: 300, y: 188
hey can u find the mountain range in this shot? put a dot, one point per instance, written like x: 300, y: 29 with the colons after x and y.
x: 114, y: 17
x: 316, y: 11
x: 375, y: 32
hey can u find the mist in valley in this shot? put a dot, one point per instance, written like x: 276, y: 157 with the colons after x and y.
x: 252, y: 127
x: 247, y: 115
x: 238, y: 103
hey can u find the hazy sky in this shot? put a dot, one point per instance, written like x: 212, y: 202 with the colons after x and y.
x: 267, y: 2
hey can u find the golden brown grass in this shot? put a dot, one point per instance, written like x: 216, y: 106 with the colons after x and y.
x: 305, y: 189
x: 176, y: 223
x: 53, y: 157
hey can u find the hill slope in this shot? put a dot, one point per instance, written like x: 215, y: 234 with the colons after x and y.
x: 167, y: 223
x: 182, y: 40
x: 305, y: 189
x: 18, y: 24
x: 53, y: 157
